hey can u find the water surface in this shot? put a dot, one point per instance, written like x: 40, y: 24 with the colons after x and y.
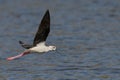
x: 86, y: 33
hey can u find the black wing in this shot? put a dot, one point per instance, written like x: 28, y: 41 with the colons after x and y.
x: 43, y: 30
x: 26, y: 46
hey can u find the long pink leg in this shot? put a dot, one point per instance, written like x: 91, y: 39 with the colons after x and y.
x: 18, y: 56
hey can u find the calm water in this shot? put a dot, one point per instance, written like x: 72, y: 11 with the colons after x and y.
x: 86, y: 33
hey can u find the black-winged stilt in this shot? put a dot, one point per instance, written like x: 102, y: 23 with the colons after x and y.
x: 39, y: 40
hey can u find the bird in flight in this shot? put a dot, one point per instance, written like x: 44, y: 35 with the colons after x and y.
x: 38, y: 45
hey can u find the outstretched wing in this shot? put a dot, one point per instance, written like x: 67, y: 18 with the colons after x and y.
x: 43, y: 30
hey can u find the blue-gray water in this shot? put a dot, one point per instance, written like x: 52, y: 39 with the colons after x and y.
x: 86, y: 33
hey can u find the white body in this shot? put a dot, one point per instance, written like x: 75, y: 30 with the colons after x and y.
x: 41, y: 47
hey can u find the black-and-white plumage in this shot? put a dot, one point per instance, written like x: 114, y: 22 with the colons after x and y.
x: 42, y: 33
x: 43, y: 30
x: 39, y: 40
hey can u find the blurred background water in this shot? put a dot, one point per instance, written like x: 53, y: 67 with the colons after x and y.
x: 86, y: 33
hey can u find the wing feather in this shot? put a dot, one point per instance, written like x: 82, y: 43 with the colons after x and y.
x: 43, y: 30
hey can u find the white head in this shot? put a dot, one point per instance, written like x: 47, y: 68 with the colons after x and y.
x: 52, y: 48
